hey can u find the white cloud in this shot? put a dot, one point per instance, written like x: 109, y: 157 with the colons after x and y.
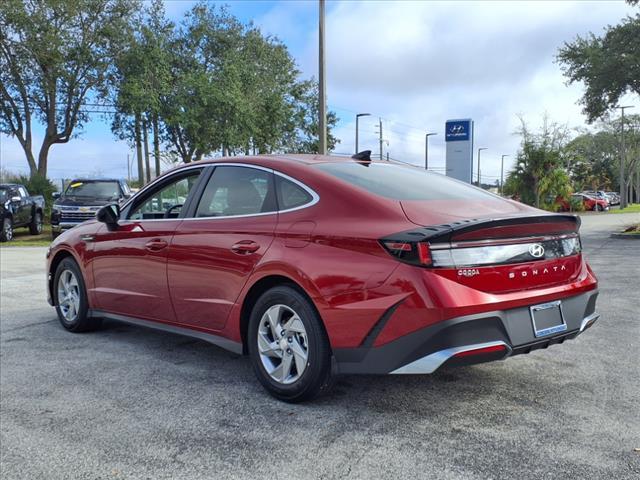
x: 421, y: 63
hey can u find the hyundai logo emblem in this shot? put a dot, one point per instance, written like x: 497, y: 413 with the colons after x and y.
x: 536, y: 250
x: 456, y: 129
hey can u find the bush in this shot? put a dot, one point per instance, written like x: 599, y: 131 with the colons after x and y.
x: 576, y: 204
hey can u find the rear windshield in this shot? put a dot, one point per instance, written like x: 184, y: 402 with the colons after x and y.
x: 93, y: 189
x: 402, y: 182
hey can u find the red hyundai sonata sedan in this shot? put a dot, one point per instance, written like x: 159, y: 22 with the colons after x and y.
x: 316, y: 266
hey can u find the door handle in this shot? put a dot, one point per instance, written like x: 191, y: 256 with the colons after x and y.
x: 245, y: 247
x: 155, y: 245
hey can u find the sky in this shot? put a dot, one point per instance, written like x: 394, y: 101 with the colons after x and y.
x: 414, y: 64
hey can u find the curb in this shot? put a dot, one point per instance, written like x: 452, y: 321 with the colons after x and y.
x: 626, y: 236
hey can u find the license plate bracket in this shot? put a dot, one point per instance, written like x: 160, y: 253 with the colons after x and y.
x: 547, y: 319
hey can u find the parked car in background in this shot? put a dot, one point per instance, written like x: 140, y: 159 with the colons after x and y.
x: 82, y: 199
x: 614, y: 198
x: 588, y: 202
x: 317, y: 265
x: 19, y: 209
x: 600, y: 195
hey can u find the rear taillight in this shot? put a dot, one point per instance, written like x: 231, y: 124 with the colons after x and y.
x: 479, y: 253
x: 415, y: 253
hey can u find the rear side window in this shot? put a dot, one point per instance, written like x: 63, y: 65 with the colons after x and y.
x: 233, y: 191
x: 402, y: 182
x: 291, y: 195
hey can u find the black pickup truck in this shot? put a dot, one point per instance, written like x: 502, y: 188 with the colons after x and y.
x: 19, y: 209
x: 82, y: 199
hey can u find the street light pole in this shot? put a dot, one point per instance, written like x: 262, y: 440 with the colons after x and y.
x: 623, y: 155
x: 322, y: 108
x: 358, y: 118
x: 502, y: 175
x: 479, y: 150
x: 426, y: 149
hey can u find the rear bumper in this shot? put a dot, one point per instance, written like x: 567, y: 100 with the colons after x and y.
x: 495, y: 335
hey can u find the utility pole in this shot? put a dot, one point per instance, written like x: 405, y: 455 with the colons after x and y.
x: 426, y: 149
x: 322, y: 108
x: 502, y: 175
x: 479, y: 178
x: 623, y: 155
x: 380, y: 124
x: 357, y: 119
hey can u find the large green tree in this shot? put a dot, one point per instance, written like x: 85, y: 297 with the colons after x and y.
x: 608, y: 65
x: 140, y: 83
x: 54, y: 55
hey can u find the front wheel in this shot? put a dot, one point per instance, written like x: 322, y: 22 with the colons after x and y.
x: 288, y: 346
x: 6, y: 235
x: 598, y: 208
x: 35, y: 227
x: 70, y: 295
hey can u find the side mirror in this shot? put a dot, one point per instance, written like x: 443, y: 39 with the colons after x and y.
x: 16, y: 199
x: 55, y: 195
x: 109, y: 215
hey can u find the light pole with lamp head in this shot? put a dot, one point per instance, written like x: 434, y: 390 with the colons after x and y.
x: 479, y: 150
x: 502, y: 175
x: 426, y: 149
x: 358, y: 118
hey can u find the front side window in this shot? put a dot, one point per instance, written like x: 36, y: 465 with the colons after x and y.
x: 167, y: 200
x: 233, y: 191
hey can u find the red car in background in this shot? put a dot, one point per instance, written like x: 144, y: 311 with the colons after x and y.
x: 316, y: 266
x: 588, y: 202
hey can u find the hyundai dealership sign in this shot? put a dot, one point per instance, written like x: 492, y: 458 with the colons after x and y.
x: 459, y: 140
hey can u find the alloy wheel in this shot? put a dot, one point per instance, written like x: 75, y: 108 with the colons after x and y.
x: 283, y: 345
x: 8, y: 230
x: 68, y: 295
x: 39, y: 224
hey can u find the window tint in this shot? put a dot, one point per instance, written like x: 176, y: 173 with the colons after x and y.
x: 402, y: 182
x: 291, y: 195
x: 166, y: 201
x: 237, y: 191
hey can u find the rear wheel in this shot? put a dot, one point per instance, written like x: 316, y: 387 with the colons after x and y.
x: 6, y: 235
x: 35, y: 227
x: 70, y: 295
x: 598, y: 208
x: 288, y: 346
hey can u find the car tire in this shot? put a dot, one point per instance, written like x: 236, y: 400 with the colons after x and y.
x: 35, y: 227
x: 597, y: 208
x: 70, y: 298
x: 6, y: 235
x: 293, y: 364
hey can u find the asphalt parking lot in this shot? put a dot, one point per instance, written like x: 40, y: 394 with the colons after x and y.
x: 129, y: 403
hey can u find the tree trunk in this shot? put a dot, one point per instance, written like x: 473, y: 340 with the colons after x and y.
x: 156, y: 143
x: 139, y: 150
x: 145, y: 139
x: 43, y: 156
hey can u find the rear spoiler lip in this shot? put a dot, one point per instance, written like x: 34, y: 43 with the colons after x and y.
x: 445, y: 232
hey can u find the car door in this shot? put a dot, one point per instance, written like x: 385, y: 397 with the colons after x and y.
x: 214, y: 251
x: 130, y: 262
x: 24, y: 209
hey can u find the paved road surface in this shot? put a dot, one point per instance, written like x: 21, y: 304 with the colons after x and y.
x: 128, y: 403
